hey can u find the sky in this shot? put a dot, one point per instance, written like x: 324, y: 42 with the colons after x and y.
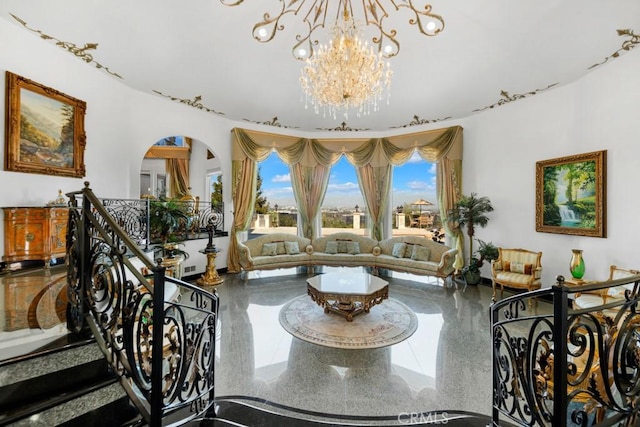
x: 414, y: 180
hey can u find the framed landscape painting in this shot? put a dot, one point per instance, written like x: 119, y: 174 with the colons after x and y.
x: 44, y: 130
x: 571, y: 195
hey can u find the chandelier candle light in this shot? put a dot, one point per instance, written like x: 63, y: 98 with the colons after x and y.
x: 346, y: 74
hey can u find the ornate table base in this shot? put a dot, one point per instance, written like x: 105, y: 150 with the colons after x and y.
x: 210, y: 277
x: 347, y: 302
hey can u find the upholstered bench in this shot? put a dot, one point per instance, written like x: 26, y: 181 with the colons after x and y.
x: 272, y: 251
x: 416, y: 255
x: 344, y: 250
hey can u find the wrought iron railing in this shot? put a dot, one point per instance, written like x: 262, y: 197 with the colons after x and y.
x: 133, y: 217
x: 158, y: 333
x: 565, y: 366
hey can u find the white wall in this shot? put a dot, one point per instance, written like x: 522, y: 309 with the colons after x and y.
x: 502, y: 145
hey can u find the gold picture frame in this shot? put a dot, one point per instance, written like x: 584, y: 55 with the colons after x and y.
x: 571, y: 195
x: 44, y: 131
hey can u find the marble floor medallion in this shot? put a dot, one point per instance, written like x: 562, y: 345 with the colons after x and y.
x: 388, y: 323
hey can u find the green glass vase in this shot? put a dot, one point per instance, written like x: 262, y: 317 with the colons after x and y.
x: 577, y: 264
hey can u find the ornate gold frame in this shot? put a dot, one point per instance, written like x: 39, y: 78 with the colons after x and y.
x: 589, y: 169
x: 33, y: 153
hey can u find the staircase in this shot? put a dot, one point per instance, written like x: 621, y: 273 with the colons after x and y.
x: 68, y: 382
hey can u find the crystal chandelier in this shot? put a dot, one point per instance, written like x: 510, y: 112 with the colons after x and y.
x: 346, y: 74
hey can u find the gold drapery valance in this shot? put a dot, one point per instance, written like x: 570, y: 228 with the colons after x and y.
x: 431, y: 146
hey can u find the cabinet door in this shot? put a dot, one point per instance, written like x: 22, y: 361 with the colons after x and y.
x: 58, y: 232
x: 25, y: 241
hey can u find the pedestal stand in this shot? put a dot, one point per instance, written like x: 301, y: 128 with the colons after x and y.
x: 210, y: 277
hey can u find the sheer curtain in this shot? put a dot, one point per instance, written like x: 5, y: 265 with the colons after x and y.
x: 309, y: 187
x: 375, y: 184
x: 310, y: 159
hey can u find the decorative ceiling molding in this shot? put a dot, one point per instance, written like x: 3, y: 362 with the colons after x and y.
x: 79, y: 52
x: 627, y: 45
x: 343, y: 127
x: 195, y: 103
x: 272, y: 122
x: 418, y: 121
x: 510, y: 98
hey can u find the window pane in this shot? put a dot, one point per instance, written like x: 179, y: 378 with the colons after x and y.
x: 275, y: 204
x: 414, y: 194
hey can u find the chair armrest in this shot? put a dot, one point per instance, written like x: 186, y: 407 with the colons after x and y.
x: 537, y: 273
x: 446, y: 261
x: 245, y: 255
x: 496, y: 265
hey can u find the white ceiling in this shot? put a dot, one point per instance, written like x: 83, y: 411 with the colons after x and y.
x: 490, y: 53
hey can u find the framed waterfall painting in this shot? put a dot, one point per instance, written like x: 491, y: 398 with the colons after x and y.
x: 571, y: 195
x: 44, y: 130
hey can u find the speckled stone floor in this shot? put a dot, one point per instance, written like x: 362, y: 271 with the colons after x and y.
x: 444, y: 366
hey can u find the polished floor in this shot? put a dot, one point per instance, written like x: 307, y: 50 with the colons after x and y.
x: 444, y: 366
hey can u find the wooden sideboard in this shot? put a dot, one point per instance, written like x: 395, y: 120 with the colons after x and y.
x: 35, y: 233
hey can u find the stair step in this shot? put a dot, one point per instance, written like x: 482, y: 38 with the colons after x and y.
x: 255, y: 412
x: 120, y: 412
x: 58, y: 385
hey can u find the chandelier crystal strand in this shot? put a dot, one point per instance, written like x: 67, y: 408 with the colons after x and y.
x: 346, y: 74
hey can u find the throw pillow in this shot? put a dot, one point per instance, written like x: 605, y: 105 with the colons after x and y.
x: 408, y: 251
x: 520, y: 267
x: 353, y: 248
x: 420, y: 253
x: 506, y: 265
x: 292, y: 248
x: 342, y: 246
x: 332, y: 248
x: 269, y: 249
x: 399, y: 250
x: 280, y: 249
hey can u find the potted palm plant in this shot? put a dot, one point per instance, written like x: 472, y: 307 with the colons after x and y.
x: 470, y: 212
x: 166, y: 217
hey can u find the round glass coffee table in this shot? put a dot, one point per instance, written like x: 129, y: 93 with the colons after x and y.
x: 347, y: 294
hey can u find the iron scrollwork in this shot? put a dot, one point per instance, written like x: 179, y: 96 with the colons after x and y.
x: 597, y: 354
x: 113, y: 289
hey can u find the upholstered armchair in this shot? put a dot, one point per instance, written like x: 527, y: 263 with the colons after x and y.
x: 516, y: 268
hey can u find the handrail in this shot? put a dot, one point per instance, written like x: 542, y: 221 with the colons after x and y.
x: 559, y: 364
x: 112, y: 293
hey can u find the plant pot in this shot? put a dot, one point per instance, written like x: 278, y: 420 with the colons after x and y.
x: 472, y: 277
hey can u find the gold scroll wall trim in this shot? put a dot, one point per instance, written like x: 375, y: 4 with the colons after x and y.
x: 631, y: 42
x: 418, y: 121
x: 506, y: 98
x: 273, y: 122
x: 79, y: 52
x: 195, y: 102
x: 343, y: 127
